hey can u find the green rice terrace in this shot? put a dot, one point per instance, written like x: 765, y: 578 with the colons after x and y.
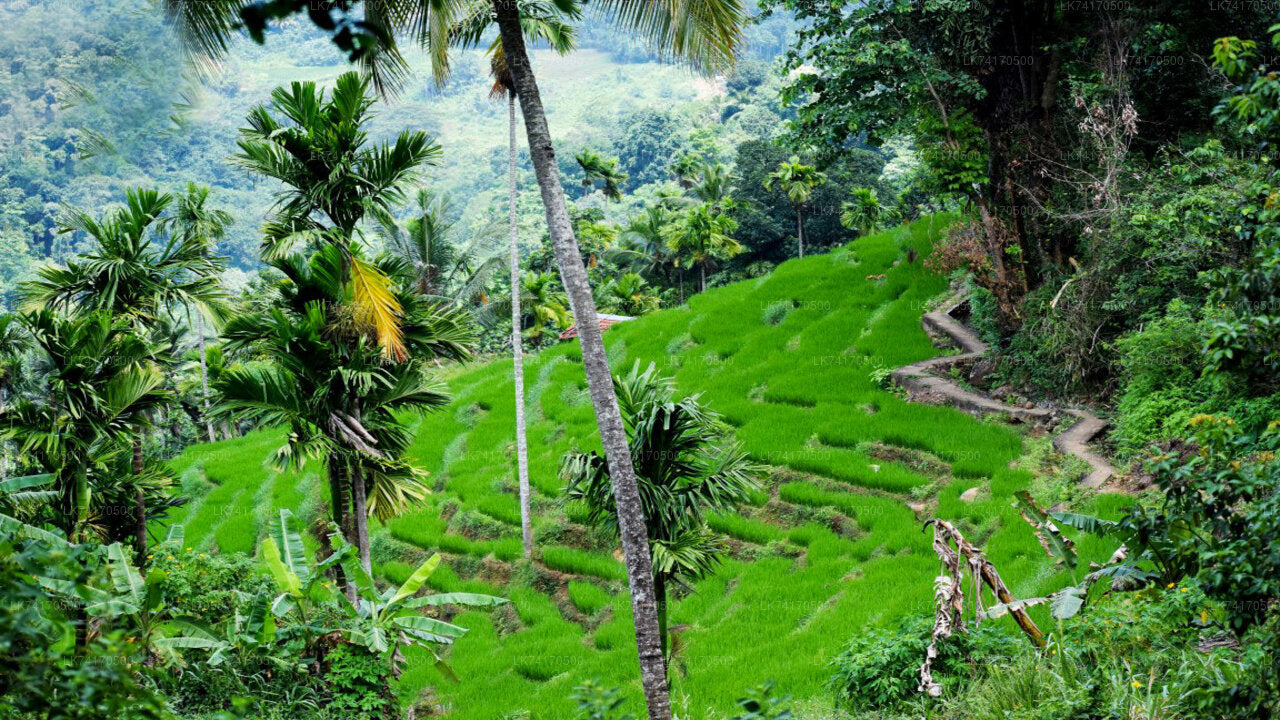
x: 832, y: 544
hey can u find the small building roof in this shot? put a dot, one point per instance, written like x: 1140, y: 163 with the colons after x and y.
x: 606, y: 320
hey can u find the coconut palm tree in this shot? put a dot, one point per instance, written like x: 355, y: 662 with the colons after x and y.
x: 317, y: 145
x: 323, y: 378
x: 713, y: 184
x: 443, y: 270
x: 705, y: 33
x: 700, y: 235
x: 686, y: 467
x: 797, y: 181
x: 193, y: 218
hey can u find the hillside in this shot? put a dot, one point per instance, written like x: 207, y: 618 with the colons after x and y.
x: 793, y: 361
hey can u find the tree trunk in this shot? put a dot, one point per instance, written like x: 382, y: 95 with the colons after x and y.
x: 660, y: 590
x: 360, y: 510
x: 204, y: 378
x: 338, y: 503
x: 799, y: 232
x: 517, y: 349
x: 702, y: 282
x: 139, y: 504
x: 635, y: 542
x: 81, y: 504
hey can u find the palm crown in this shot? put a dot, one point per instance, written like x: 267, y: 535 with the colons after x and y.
x: 317, y: 146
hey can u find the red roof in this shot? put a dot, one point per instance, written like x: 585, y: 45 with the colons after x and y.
x: 606, y: 321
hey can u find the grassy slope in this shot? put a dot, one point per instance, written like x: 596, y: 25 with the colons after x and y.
x: 830, y: 548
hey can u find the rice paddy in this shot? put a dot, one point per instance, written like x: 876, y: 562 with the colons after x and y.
x: 832, y: 545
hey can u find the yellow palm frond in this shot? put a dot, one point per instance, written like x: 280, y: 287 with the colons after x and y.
x: 375, y: 309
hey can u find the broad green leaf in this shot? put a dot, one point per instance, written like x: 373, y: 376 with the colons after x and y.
x: 292, y: 553
x: 1059, y: 545
x: 283, y: 605
x: 188, y: 642
x: 285, y: 578
x: 25, y: 482
x: 1066, y: 602
x: 31, y: 532
x: 467, y: 599
x: 1003, y: 609
x: 424, y: 624
x: 124, y: 577
x: 416, y: 580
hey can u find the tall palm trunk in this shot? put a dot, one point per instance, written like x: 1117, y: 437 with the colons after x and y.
x: 360, y: 509
x: 660, y: 589
x: 81, y: 504
x: 139, y: 504
x: 800, y: 231
x: 338, y: 499
x: 204, y: 378
x: 613, y: 437
x: 517, y: 350
x: 702, y: 281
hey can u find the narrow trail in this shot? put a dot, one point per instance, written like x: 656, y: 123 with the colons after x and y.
x: 923, y: 383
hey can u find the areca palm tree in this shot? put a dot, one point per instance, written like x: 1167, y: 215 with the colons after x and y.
x: 193, y: 218
x: 317, y: 145
x: 864, y: 213
x: 700, y: 235
x: 547, y: 307
x: 101, y: 381
x: 549, y: 23
x: 628, y: 294
x: 797, y: 181
x: 705, y: 33
x: 598, y: 169
x: 686, y: 467
x: 131, y: 275
x: 328, y: 382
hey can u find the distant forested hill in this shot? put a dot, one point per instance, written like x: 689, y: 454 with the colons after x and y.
x: 96, y: 97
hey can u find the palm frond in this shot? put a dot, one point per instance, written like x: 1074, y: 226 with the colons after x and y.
x: 375, y: 308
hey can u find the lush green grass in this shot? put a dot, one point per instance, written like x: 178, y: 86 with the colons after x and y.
x: 832, y: 546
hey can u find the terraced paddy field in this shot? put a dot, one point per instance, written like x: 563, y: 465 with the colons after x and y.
x: 831, y: 546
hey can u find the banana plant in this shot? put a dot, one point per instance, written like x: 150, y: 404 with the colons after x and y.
x: 379, y: 621
x: 23, y: 499
x: 133, y: 600
x: 384, y: 621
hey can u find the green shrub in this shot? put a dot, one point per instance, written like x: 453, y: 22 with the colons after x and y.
x: 204, y: 585
x: 358, y: 681
x: 881, y: 668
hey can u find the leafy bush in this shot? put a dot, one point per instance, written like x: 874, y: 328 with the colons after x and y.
x: 881, y: 668
x: 596, y: 702
x: 42, y: 675
x: 359, y: 681
x: 204, y: 585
